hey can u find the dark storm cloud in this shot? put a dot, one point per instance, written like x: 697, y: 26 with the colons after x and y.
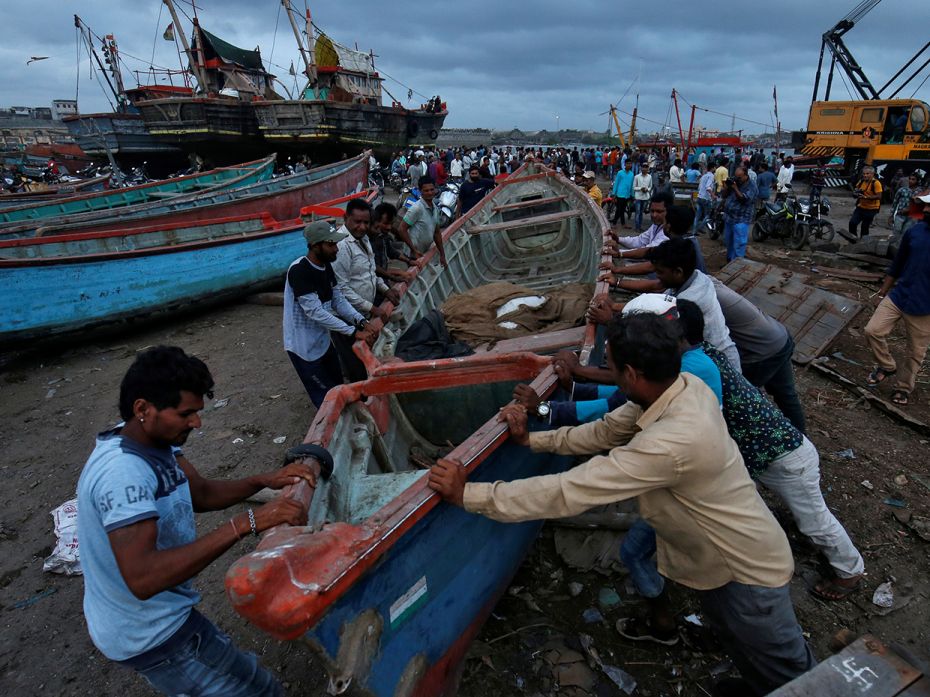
x: 502, y: 64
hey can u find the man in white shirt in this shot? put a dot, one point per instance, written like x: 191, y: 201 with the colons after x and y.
x: 355, y: 265
x: 785, y: 175
x: 420, y: 226
x: 642, y: 193
x: 456, y: 168
x: 675, y: 173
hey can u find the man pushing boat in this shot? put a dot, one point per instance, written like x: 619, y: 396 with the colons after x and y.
x: 669, y: 448
x: 139, y: 547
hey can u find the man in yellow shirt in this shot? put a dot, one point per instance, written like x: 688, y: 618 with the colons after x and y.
x: 668, y: 447
x: 721, y: 174
x: 588, y: 182
x: 868, y: 200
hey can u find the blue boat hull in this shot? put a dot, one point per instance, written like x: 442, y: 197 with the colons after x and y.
x: 450, y: 569
x: 45, y: 299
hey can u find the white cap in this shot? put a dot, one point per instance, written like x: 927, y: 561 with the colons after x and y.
x: 653, y: 303
x: 925, y: 199
x: 588, y: 175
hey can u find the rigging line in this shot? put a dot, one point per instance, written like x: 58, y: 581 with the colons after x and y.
x: 161, y: 7
x: 920, y: 85
x: 77, y: 63
x: 632, y: 82
x: 275, y: 37
x: 719, y: 113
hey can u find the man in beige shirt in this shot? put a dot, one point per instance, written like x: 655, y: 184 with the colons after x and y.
x: 668, y: 447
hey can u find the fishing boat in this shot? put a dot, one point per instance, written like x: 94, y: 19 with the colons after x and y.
x: 282, y: 198
x: 23, y: 220
x: 42, y: 192
x: 341, y: 104
x: 388, y: 584
x: 66, y: 284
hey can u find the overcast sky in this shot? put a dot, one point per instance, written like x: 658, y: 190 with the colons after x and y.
x: 504, y: 63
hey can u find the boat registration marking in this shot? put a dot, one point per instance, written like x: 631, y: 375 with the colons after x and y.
x: 410, y: 601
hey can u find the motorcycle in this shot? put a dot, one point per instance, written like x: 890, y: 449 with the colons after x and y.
x: 408, y: 196
x: 712, y: 226
x: 448, y: 201
x: 779, y: 219
x: 811, y: 214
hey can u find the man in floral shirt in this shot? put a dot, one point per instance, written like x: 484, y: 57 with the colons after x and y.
x: 900, y: 205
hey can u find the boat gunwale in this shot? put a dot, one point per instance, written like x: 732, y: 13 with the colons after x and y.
x: 378, y: 533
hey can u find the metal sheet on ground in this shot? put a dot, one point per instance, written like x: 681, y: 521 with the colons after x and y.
x: 865, y: 667
x: 813, y: 316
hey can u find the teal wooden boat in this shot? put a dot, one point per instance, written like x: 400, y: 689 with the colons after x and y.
x: 222, y: 177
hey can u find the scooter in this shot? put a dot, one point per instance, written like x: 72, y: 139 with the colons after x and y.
x: 780, y: 220
x: 408, y: 196
x: 448, y: 201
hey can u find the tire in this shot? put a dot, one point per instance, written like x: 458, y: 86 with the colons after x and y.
x: 413, y: 128
x: 433, y: 134
x: 713, y: 230
x: 798, y: 237
x: 758, y: 232
x: 825, y: 232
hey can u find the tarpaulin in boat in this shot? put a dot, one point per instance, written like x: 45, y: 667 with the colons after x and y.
x: 329, y: 54
x: 215, y: 47
x: 473, y: 316
x: 428, y: 339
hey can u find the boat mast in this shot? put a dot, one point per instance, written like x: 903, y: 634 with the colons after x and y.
x: 309, y: 66
x: 198, y: 67
x: 92, y: 52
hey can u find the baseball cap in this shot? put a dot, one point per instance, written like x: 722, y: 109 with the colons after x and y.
x: 925, y: 199
x: 321, y: 231
x: 588, y: 175
x: 654, y: 304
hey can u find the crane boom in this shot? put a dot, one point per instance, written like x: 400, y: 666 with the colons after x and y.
x: 842, y: 56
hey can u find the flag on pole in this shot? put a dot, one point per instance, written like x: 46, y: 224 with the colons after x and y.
x: 775, y: 97
x: 169, y: 33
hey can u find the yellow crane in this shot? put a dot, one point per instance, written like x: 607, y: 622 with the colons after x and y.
x: 629, y: 139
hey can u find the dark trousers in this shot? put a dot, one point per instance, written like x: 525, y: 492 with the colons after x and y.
x: 861, y: 216
x: 776, y: 376
x: 319, y: 376
x: 620, y: 213
x: 759, y: 630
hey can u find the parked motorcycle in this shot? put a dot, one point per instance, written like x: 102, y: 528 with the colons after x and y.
x: 811, y: 214
x: 408, y: 196
x: 712, y: 226
x: 779, y: 219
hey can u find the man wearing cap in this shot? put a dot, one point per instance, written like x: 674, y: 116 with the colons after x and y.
x: 590, y: 185
x: 905, y: 296
x: 314, y: 306
x: 355, y: 267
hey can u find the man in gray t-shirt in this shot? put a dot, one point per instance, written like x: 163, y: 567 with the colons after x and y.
x: 420, y: 227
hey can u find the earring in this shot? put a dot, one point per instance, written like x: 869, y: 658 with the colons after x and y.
x: 141, y: 419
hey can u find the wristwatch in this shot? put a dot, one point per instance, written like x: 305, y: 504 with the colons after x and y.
x: 543, y: 410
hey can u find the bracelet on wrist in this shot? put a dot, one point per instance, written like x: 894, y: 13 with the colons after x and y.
x: 252, y: 522
x: 235, y: 529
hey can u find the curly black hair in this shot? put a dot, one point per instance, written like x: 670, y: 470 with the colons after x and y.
x: 159, y: 374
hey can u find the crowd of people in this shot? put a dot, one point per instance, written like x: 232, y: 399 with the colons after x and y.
x: 675, y: 416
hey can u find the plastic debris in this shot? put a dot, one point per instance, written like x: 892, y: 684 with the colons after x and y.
x: 847, y: 454
x: 236, y: 441
x: 65, y: 557
x: 34, y: 599
x: 592, y: 615
x: 575, y: 588
x: 900, y: 480
x: 620, y: 677
x: 695, y: 620
x: 883, y: 595
x: 867, y: 484
x: 279, y: 440
x: 897, y: 503
x: 220, y: 403
x: 608, y: 598
x: 51, y: 393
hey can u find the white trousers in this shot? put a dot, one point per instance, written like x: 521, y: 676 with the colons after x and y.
x: 795, y: 477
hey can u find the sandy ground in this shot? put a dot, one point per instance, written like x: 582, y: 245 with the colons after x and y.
x: 54, y: 402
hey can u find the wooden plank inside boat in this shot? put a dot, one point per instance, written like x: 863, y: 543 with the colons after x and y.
x: 528, y: 203
x: 813, y: 316
x: 532, y: 221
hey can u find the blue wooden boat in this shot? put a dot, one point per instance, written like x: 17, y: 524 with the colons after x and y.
x: 393, y: 587
x: 122, y: 134
x: 221, y: 177
x: 281, y: 197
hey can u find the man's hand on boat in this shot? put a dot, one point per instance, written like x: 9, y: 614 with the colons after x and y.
x: 447, y: 478
x: 526, y: 395
x: 600, y: 311
x: 564, y: 374
x: 292, y: 473
x: 392, y: 296
x: 514, y: 415
x: 367, y: 335
x: 283, y: 510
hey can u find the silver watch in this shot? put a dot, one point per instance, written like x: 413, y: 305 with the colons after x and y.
x: 543, y: 410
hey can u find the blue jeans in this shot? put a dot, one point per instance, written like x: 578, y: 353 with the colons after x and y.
x: 735, y: 236
x: 700, y: 212
x: 319, y: 376
x: 638, y: 207
x: 636, y: 552
x: 202, y: 661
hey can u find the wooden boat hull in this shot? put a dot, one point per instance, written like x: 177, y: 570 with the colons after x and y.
x: 43, y: 193
x: 25, y: 220
x: 121, y: 134
x: 282, y: 198
x: 296, y: 123
x: 185, y: 121
x: 103, y: 200
x: 392, y: 595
